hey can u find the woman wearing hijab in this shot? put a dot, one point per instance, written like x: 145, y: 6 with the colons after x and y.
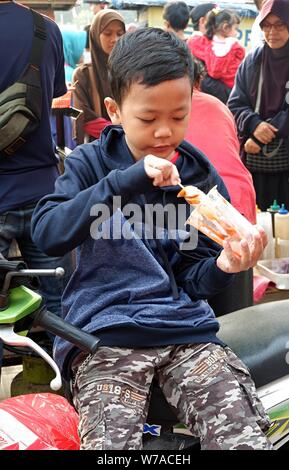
x: 90, y: 80
x: 261, y: 110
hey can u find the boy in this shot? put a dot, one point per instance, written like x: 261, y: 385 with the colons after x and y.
x: 142, y: 295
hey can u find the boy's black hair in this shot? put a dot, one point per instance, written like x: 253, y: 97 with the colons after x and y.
x: 147, y: 56
x: 177, y: 14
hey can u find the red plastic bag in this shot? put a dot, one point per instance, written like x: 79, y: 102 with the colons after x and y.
x: 260, y: 285
x: 41, y: 421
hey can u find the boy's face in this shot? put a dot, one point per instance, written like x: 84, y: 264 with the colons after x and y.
x: 154, y: 118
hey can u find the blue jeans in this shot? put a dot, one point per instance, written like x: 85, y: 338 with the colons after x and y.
x: 16, y: 224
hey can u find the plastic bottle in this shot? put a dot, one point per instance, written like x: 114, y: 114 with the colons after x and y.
x: 264, y: 219
x: 282, y: 232
x: 273, y: 209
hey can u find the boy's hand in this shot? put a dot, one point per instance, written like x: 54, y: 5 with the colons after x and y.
x: 161, y: 171
x: 229, y: 262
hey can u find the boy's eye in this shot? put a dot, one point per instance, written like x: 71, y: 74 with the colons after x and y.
x: 179, y: 118
x: 146, y: 120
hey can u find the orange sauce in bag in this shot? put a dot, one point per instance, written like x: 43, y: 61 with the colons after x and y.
x: 214, y: 216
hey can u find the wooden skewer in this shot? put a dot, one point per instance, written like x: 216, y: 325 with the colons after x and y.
x: 181, y: 186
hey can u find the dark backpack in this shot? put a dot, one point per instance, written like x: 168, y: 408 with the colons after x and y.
x: 21, y: 103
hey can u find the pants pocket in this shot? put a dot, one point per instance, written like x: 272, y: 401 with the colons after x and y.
x: 242, y: 375
x: 112, y: 415
x: 92, y: 426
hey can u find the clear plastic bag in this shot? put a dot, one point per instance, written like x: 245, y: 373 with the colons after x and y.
x: 219, y: 220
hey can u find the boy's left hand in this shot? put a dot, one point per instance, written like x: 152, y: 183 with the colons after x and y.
x: 230, y: 262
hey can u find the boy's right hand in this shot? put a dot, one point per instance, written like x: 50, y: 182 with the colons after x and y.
x: 161, y: 171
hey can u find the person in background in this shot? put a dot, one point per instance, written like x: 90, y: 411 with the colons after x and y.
x: 221, y: 52
x: 144, y: 295
x: 259, y: 103
x: 74, y: 43
x: 131, y: 27
x: 257, y: 35
x: 212, y: 129
x: 86, y: 52
x: 199, y: 15
x: 73, y: 47
x: 176, y: 17
x: 31, y: 171
x: 97, y: 5
x: 90, y: 80
x: 210, y: 117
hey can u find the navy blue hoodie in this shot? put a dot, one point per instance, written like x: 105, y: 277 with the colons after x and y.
x: 132, y: 291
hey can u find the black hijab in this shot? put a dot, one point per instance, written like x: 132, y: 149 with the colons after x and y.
x: 275, y: 64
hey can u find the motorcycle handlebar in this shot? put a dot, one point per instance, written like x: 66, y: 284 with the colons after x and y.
x: 56, y: 325
x: 47, y: 320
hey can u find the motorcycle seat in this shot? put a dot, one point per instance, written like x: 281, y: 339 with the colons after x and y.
x: 259, y: 335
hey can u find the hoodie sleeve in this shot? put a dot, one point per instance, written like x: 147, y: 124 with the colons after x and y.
x: 198, y: 274
x: 62, y: 220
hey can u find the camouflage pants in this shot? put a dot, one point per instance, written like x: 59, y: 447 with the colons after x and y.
x: 207, y: 385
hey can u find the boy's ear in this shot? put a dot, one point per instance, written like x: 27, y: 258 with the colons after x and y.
x: 112, y: 110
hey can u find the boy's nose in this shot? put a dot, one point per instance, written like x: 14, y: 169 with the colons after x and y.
x: 163, y: 131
